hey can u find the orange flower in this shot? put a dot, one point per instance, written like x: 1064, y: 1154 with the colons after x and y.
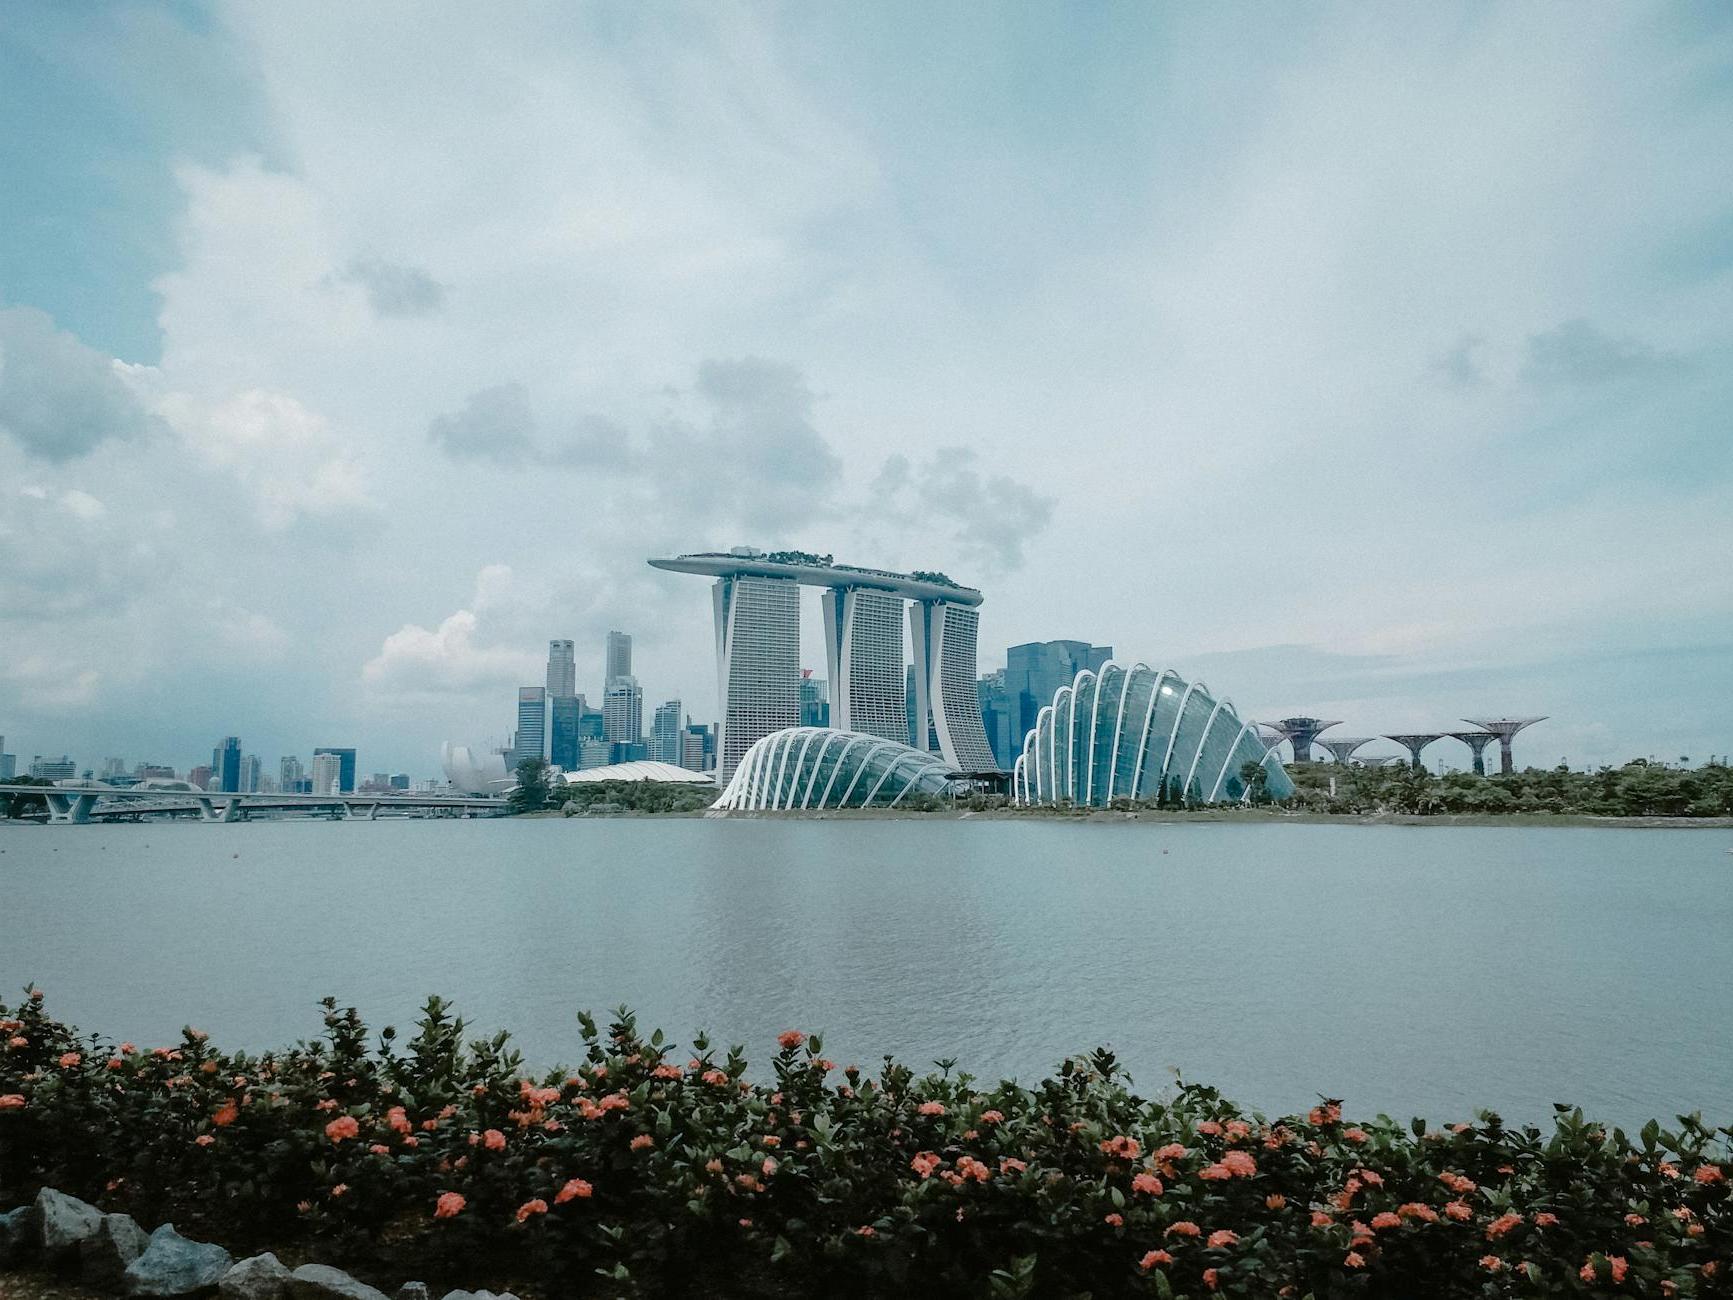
x: 924, y: 1164
x: 1209, y: 1278
x: 1491, y: 1263
x: 1153, y: 1258
x: 1216, y: 1173
x: 1355, y: 1134
x: 1459, y: 1210
x: 1184, y: 1228
x: 1321, y: 1220
x: 449, y: 1206
x: 226, y: 1114
x: 398, y: 1120
x: 537, y: 1206
x: 344, y: 1126
x: 12, y: 1101
x: 790, y: 1038
x: 1221, y: 1238
x: 992, y: 1117
x: 1353, y: 1259
x: 1209, y: 1128
x: 493, y: 1139
x: 1275, y: 1201
x: 969, y: 1167
x: 866, y: 1230
x: 1328, y: 1113
x: 1501, y: 1225
x: 1587, y: 1271
x: 1620, y: 1267
x: 642, y: 1142
x: 1417, y: 1210
x: 341, y: 1189
x: 70, y: 1059
x: 1240, y: 1164
x: 575, y: 1189
x: 1545, y: 1220
x: 379, y: 1149
x: 1123, y: 1147
x: 1457, y: 1183
x: 1383, y: 1220
x: 1147, y: 1183
x: 1705, y: 1174
x: 932, y: 1108
x: 204, y: 1139
x: 1114, y: 1221
x: 1011, y: 1165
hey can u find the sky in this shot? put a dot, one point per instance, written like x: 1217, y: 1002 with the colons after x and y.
x: 1369, y: 362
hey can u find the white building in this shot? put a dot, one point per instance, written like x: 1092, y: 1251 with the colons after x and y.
x: 327, y: 774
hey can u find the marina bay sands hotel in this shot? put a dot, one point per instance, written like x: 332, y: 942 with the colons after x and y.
x: 756, y: 600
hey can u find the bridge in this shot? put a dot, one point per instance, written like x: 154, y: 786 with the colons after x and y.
x: 75, y: 805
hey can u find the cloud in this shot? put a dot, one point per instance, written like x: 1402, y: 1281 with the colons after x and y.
x: 495, y: 424
x: 287, y: 457
x: 1459, y: 367
x: 1578, y: 352
x: 394, y: 289
x: 988, y: 518
x: 58, y: 398
x: 450, y: 660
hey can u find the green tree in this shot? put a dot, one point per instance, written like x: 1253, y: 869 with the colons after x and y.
x: 531, y: 794
x: 25, y: 805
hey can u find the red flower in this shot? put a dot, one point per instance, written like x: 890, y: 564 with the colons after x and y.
x: 537, y: 1206
x: 1209, y: 1278
x: 344, y: 1126
x: 790, y: 1038
x: 1353, y: 1259
x: 1221, y: 1238
x: 1705, y: 1174
x: 226, y: 1114
x: 449, y: 1206
x: 1114, y: 1221
x: 1184, y: 1228
x: 1154, y: 1257
x: 12, y: 1101
x: 642, y: 1142
x: 494, y: 1140
x: 70, y: 1059
x: 1491, y: 1263
x: 1147, y: 1183
x: 1501, y: 1225
x: 575, y: 1189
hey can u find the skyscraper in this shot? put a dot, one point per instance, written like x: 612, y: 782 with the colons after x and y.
x: 199, y: 777
x: 996, y: 718
x: 619, y: 660
x: 565, y: 721
x: 53, y: 769
x: 250, y: 767
x: 346, y: 758
x: 665, y: 733
x: 8, y: 762
x: 562, y: 670
x: 1034, y: 672
x: 943, y: 633
x: 758, y: 661
x: 226, y: 764
x: 863, y: 651
x: 327, y: 772
x: 290, y: 775
x: 532, y: 724
x: 814, y: 701
x: 623, y: 711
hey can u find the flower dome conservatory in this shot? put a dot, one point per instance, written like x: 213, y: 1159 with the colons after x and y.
x: 817, y: 767
x: 1133, y: 733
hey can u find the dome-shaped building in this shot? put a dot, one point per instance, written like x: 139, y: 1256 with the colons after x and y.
x: 1134, y: 733
x: 818, y: 767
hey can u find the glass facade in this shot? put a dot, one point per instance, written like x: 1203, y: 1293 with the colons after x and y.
x: 818, y: 767
x: 1134, y: 733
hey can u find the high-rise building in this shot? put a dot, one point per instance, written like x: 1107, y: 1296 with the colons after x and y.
x: 250, y: 768
x: 199, y: 777
x: 594, y: 753
x: 623, y: 711
x: 400, y: 781
x: 532, y: 724
x: 8, y: 762
x: 53, y: 769
x: 346, y: 758
x: 666, y: 731
x: 619, y: 660
x: 814, y: 700
x: 692, y: 747
x: 863, y: 652
x: 112, y: 769
x: 757, y: 621
x: 328, y: 772
x: 943, y: 633
x: 1036, y: 670
x: 290, y: 775
x: 996, y: 719
x: 153, y: 772
x: 562, y: 670
x: 226, y: 764
x: 565, y: 723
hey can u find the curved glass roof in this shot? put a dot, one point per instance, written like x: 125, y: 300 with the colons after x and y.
x: 1134, y: 733
x: 818, y: 767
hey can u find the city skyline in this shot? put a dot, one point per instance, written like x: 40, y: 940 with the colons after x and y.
x: 1141, y: 279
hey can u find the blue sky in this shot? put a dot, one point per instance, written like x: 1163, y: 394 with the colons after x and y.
x: 1374, y: 362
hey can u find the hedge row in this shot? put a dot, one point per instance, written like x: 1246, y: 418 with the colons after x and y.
x: 645, y: 1171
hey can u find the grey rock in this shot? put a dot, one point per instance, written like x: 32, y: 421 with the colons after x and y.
x: 173, y: 1266
x: 62, y: 1222
x: 262, y: 1277
x: 322, y: 1282
x: 478, y: 1295
x: 104, y: 1255
x: 413, y: 1291
x: 17, y: 1235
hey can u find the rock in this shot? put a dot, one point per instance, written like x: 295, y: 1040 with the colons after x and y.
x: 262, y: 1277
x: 104, y: 1255
x: 173, y: 1266
x: 17, y: 1235
x: 62, y: 1222
x: 478, y: 1295
x: 322, y: 1282
x: 413, y: 1291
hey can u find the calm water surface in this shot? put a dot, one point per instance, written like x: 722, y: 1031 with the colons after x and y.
x: 1409, y: 970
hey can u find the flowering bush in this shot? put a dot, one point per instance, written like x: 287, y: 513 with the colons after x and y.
x: 646, y: 1172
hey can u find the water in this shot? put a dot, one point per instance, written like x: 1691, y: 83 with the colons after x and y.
x: 1409, y: 970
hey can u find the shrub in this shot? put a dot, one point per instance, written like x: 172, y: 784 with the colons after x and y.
x: 646, y: 1172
